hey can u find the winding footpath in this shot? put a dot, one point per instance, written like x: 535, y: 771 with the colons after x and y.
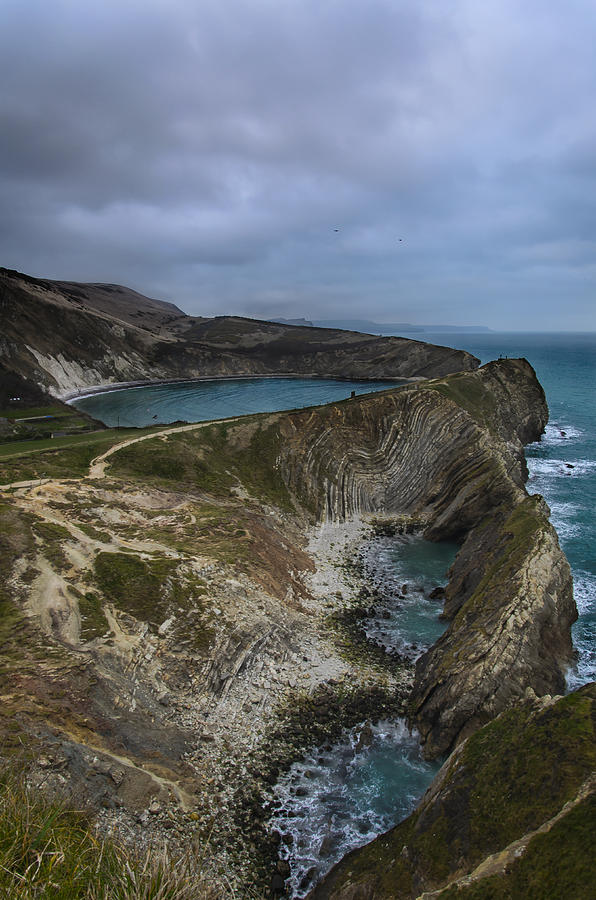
x: 98, y: 465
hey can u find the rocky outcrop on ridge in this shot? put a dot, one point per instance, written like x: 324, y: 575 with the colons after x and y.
x: 508, y: 816
x: 65, y: 337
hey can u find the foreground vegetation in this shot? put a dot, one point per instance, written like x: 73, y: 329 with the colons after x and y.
x: 60, y: 457
x: 50, y: 850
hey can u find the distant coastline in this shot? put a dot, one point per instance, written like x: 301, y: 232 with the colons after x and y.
x: 388, y: 329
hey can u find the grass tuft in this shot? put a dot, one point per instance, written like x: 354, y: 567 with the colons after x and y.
x: 50, y: 850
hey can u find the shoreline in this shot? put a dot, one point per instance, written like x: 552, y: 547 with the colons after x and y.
x: 109, y: 388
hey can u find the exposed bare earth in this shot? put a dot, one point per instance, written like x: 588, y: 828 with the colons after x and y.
x: 65, y: 337
x: 160, y: 727
x: 166, y: 632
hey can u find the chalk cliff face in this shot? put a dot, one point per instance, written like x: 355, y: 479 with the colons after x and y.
x: 66, y: 336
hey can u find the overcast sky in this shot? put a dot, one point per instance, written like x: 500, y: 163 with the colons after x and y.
x: 264, y: 157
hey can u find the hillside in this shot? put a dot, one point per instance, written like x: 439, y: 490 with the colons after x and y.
x: 64, y: 336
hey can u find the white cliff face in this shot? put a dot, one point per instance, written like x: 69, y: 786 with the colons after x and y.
x: 66, y: 374
x: 70, y: 376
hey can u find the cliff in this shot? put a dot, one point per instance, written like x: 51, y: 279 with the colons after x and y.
x: 447, y: 456
x: 443, y: 453
x: 510, y: 600
x: 508, y: 816
x: 65, y: 336
x: 160, y: 638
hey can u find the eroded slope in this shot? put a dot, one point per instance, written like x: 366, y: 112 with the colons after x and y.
x: 161, y: 632
x: 66, y: 336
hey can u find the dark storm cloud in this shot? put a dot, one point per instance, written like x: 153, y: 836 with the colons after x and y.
x: 205, y: 153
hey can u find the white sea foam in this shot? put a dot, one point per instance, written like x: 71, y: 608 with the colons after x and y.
x: 584, y: 591
x: 559, y: 468
x: 565, y: 517
x: 341, y: 797
x: 558, y: 433
x: 584, y: 630
x: 584, y: 670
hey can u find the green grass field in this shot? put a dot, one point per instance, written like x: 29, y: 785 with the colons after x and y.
x: 67, y: 456
x: 30, y: 412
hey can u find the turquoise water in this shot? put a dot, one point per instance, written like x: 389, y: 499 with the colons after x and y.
x: 340, y: 797
x: 335, y: 801
x: 200, y: 401
x: 405, y: 570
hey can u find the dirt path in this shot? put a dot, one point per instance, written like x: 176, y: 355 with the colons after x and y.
x: 98, y: 465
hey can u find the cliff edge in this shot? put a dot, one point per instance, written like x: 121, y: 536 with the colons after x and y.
x: 164, y: 651
x: 447, y: 457
x: 66, y: 336
x: 508, y: 816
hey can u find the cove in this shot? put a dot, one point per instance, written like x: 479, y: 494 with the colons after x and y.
x: 217, y: 398
x: 341, y: 796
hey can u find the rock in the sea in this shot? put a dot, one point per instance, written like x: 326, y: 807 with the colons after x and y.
x: 365, y: 738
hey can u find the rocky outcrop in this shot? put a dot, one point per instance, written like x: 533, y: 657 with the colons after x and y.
x: 510, y: 599
x: 508, y: 816
x: 66, y: 337
x: 183, y: 552
x: 448, y: 455
x: 444, y: 453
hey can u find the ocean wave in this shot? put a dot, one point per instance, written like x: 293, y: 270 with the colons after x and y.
x: 559, y: 468
x: 566, y: 518
x: 557, y: 433
x: 584, y: 591
x: 342, y: 796
x: 584, y: 630
x: 566, y: 530
x: 584, y: 669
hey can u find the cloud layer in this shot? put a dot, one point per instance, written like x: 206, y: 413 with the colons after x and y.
x: 266, y: 156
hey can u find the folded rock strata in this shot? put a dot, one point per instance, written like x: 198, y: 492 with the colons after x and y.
x: 229, y: 629
x: 449, y: 456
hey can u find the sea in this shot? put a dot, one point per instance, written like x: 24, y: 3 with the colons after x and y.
x: 341, y: 796
x: 216, y: 398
